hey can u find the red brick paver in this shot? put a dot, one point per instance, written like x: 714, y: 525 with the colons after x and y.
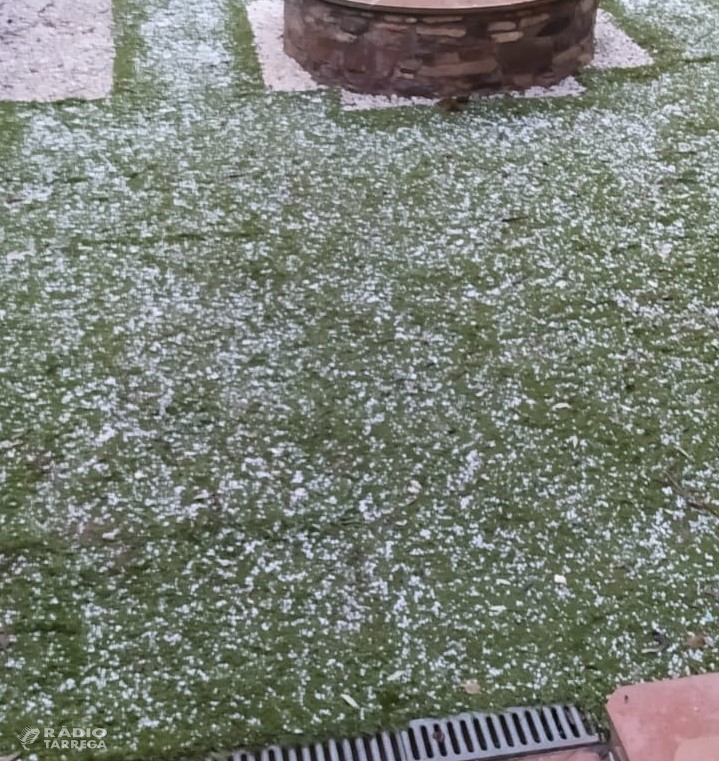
x: 676, y: 720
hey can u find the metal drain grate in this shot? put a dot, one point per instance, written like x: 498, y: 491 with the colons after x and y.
x: 384, y: 746
x: 466, y: 737
x: 517, y: 732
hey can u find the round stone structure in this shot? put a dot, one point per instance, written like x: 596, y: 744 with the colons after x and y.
x: 439, y: 48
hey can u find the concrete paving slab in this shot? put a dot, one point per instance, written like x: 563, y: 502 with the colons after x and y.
x: 55, y: 49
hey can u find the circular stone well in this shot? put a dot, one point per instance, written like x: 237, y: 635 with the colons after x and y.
x: 439, y: 48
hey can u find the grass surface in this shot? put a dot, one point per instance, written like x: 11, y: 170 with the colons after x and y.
x: 295, y: 399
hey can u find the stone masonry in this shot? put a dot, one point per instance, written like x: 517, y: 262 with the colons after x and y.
x: 411, y: 52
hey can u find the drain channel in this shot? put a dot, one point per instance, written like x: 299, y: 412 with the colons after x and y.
x: 465, y: 737
x: 519, y: 731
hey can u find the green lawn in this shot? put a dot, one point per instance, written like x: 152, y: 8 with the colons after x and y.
x: 294, y: 400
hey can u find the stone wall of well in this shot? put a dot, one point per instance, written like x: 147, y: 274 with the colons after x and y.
x: 431, y: 54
